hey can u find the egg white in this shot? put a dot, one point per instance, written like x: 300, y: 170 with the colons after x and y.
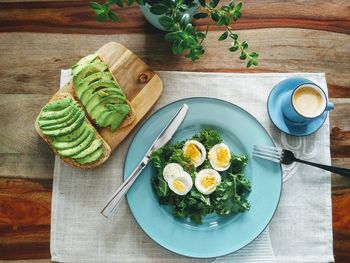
x: 213, y: 158
x: 200, y: 147
x: 182, y: 177
x: 170, y: 169
x: 200, y: 176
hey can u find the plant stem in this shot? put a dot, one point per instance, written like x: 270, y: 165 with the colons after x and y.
x: 206, y: 32
x: 228, y: 28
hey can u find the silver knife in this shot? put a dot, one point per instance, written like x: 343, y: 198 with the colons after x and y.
x: 164, y: 137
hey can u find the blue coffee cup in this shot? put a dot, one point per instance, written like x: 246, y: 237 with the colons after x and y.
x: 304, y: 103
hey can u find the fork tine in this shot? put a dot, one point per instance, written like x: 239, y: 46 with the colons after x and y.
x: 267, y: 155
x: 267, y: 148
x: 273, y: 159
x: 267, y: 152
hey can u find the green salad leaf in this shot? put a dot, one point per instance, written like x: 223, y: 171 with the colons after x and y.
x: 229, y: 196
x: 208, y: 137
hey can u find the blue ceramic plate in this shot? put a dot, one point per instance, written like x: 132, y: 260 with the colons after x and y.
x: 217, y: 236
x: 274, y: 106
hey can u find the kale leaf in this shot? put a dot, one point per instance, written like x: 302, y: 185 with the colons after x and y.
x: 208, y: 137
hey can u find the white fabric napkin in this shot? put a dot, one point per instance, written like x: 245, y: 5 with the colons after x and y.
x: 301, y: 230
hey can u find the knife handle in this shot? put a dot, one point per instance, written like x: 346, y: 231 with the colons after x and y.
x: 121, y: 191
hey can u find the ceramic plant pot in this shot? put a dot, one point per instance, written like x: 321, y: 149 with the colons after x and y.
x: 154, y: 19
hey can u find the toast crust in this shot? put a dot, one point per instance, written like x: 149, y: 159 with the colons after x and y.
x: 71, y: 161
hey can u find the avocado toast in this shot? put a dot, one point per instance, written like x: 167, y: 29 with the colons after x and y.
x: 100, y: 94
x: 63, y: 125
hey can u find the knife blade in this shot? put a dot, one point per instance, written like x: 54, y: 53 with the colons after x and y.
x: 163, y: 138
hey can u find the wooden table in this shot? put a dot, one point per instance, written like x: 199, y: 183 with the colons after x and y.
x: 37, y: 39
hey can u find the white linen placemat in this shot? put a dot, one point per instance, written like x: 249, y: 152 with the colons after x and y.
x: 301, y: 230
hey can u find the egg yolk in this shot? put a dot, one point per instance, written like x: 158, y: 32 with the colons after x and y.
x: 222, y: 156
x: 193, y: 153
x: 179, y: 186
x: 208, y: 181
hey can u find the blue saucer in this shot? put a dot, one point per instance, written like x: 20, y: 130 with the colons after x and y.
x: 274, y: 106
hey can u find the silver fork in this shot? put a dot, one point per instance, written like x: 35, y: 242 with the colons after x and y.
x: 287, y: 157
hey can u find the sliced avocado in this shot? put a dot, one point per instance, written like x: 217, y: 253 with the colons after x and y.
x: 97, y: 100
x: 93, y: 157
x: 72, y: 112
x: 95, y: 77
x: 111, y: 91
x: 82, y: 62
x: 71, y: 136
x: 66, y: 130
x: 73, y: 143
x: 101, y: 116
x: 93, y: 147
x: 90, y: 79
x: 78, y: 148
x: 87, y: 70
x: 53, y: 115
x: 106, y: 117
x: 76, y: 116
x: 94, y: 87
x: 117, y: 119
x: 57, y: 105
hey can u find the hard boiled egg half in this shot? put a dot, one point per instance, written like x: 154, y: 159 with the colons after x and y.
x: 170, y: 169
x: 180, y: 183
x: 195, y: 151
x: 207, y: 180
x: 220, y: 157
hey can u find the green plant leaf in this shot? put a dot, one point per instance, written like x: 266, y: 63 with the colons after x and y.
x: 140, y: 2
x: 119, y: 3
x: 95, y: 6
x: 233, y: 48
x: 254, y: 54
x: 159, y: 9
x: 236, y: 15
x: 200, y: 15
x: 202, y: 3
x: 244, y: 45
x: 200, y: 35
x: 185, y: 19
x: 171, y: 36
x: 239, y: 6
x: 223, y: 36
x: 189, y: 29
x: 101, y: 17
x: 191, y: 41
x: 243, y: 56
x: 214, y: 3
x: 129, y: 2
x: 233, y: 36
x: 193, y: 4
x: 215, y: 16
x: 249, y: 64
x: 175, y: 46
x: 111, y: 15
x: 225, y: 8
x: 166, y: 21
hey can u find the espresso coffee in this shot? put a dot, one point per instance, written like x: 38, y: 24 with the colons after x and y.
x: 308, y: 101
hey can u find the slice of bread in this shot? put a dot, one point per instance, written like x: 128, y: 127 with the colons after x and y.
x: 71, y: 161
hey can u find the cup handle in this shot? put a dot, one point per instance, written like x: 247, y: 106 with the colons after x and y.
x: 330, y: 106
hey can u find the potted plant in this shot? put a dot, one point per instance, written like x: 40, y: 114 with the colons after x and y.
x: 176, y: 16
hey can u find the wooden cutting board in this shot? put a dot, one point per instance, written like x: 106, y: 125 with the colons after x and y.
x: 140, y: 84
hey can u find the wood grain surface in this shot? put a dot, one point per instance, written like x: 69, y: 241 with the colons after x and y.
x: 38, y: 38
